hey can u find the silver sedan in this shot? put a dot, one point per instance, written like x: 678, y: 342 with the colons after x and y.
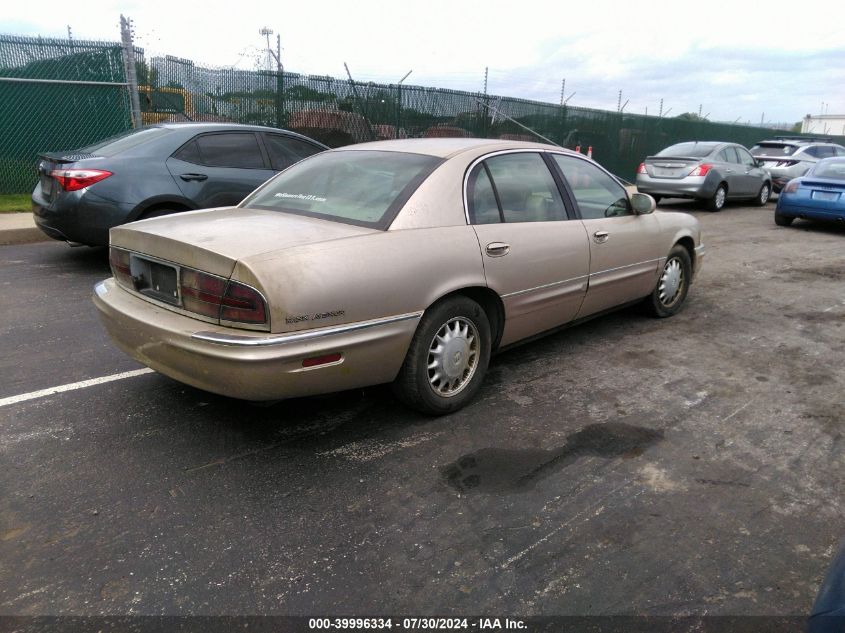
x: 710, y: 171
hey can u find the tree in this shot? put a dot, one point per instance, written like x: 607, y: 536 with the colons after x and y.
x: 690, y: 116
x: 146, y: 74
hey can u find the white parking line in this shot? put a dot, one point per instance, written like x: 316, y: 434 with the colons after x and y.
x: 73, y: 386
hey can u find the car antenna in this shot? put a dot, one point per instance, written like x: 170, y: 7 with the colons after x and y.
x: 512, y: 120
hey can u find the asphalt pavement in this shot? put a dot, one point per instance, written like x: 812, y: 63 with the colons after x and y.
x: 629, y: 465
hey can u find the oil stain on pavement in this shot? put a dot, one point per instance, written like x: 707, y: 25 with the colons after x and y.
x: 503, y: 470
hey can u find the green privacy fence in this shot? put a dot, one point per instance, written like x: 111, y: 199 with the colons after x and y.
x: 52, y: 114
x: 55, y: 95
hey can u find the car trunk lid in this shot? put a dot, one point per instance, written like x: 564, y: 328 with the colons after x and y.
x: 822, y: 191
x: 670, y: 166
x: 213, y: 240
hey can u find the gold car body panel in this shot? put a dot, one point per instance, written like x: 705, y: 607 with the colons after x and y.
x: 543, y: 276
x: 625, y: 254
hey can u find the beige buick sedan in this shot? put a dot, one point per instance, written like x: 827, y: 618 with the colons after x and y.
x: 399, y: 261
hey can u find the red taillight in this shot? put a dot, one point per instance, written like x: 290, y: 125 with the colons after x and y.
x: 641, y: 169
x: 243, y: 304
x: 792, y: 186
x: 75, y: 179
x: 220, y: 299
x: 201, y: 293
x: 119, y: 262
x: 701, y: 170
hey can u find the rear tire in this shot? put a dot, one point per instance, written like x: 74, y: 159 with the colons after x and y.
x: 447, y: 359
x: 717, y: 200
x: 671, y: 289
x: 783, y: 220
x: 763, y: 195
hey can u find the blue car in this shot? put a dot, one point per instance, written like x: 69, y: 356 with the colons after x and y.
x: 817, y: 195
x: 828, y: 614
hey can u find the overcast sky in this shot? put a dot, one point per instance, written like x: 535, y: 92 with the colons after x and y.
x: 739, y: 60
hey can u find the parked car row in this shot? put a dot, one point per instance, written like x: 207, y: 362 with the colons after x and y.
x: 715, y: 172
x: 398, y: 261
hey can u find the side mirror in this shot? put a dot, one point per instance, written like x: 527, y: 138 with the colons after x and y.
x: 642, y: 203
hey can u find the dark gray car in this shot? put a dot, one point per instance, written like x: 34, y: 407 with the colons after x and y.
x: 157, y: 170
x: 705, y: 170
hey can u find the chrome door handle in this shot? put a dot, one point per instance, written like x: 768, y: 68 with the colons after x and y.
x: 729, y: 171
x: 498, y: 249
x: 600, y: 237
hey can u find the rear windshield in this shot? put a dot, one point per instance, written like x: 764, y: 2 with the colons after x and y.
x: 693, y: 150
x: 366, y: 188
x: 773, y: 149
x: 124, y: 141
x: 833, y: 169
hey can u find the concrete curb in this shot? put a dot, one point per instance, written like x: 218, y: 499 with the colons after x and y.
x: 19, y: 228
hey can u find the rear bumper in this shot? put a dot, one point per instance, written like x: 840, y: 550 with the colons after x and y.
x: 78, y: 216
x: 253, y: 366
x: 689, y: 187
x: 798, y: 210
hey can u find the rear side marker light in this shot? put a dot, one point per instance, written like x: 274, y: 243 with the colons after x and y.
x: 322, y: 360
x: 641, y: 169
x: 75, y: 179
x: 701, y: 170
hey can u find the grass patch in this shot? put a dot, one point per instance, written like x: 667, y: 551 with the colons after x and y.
x: 15, y: 203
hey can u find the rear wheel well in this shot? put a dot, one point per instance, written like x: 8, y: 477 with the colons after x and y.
x: 492, y: 305
x: 160, y: 206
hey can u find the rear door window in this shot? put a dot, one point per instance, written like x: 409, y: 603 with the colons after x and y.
x: 526, y: 190
x: 821, y: 151
x: 483, y: 207
x: 727, y: 155
x: 284, y: 151
x: 744, y: 157
x: 231, y: 149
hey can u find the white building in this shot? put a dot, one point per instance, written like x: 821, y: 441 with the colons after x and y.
x: 824, y: 124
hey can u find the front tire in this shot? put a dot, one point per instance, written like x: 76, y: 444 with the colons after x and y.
x: 783, y: 220
x: 447, y: 359
x: 763, y: 196
x: 669, y: 294
x: 717, y: 200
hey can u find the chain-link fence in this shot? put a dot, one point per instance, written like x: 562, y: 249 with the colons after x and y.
x: 62, y: 94
x: 55, y: 95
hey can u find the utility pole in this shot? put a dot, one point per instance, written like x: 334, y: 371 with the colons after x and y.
x: 660, y: 114
x: 619, y: 102
x: 699, y: 110
x: 360, y: 103
x: 562, y: 90
x: 280, y: 80
x: 485, y: 80
x: 399, y: 104
x: 131, y: 76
